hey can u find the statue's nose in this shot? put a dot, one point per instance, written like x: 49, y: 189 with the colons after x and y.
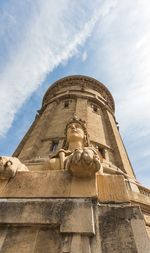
x: 73, y: 126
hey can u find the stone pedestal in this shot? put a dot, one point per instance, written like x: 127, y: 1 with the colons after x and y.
x: 53, y: 212
x: 73, y: 225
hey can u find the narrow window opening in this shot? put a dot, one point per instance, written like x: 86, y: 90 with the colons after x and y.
x: 66, y: 104
x: 102, y: 152
x: 54, y: 146
x: 95, y: 109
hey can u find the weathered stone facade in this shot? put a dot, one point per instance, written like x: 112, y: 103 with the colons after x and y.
x: 89, y: 100
x: 53, y: 204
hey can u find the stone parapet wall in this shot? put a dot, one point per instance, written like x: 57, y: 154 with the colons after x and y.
x: 56, y: 184
x: 72, y: 225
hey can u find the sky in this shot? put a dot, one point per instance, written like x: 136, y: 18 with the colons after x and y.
x: 109, y: 40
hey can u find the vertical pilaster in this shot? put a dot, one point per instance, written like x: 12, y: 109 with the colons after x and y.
x: 81, y: 108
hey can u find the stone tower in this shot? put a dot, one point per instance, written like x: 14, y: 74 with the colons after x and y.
x: 88, y: 99
x: 58, y: 206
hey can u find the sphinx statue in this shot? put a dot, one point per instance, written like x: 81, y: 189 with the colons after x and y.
x: 9, y: 166
x: 77, y: 156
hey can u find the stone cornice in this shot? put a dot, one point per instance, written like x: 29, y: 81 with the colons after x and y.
x: 84, y: 82
x: 74, y: 95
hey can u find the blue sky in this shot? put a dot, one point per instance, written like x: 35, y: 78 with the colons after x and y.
x: 42, y: 41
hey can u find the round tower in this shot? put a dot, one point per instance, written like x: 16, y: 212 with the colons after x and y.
x: 84, y: 197
x: 89, y: 100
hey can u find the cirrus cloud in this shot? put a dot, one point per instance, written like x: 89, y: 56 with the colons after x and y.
x: 37, y: 38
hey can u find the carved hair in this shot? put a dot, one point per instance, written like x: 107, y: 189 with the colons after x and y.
x: 82, y: 123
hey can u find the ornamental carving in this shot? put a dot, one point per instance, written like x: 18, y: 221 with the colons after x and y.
x: 78, y: 156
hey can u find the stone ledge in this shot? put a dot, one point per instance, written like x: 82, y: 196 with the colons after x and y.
x: 55, y: 212
x: 60, y: 184
x: 54, y: 184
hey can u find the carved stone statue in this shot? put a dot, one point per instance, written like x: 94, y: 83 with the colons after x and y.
x: 78, y: 156
x: 9, y: 166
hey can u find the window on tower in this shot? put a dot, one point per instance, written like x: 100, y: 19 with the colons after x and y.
x: 102, y: 152
x: 54, y: 145
x: 95, y: 108
x: 101, y: 149
x: 66, y: 103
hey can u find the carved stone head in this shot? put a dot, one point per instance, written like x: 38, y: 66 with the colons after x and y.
x: 76, y: 128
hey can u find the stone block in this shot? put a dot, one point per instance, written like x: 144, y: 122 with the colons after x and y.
x: 76, y: 244
x: 140, y: 235
x: 52, y: 184
x: 122, y: 230
x: 31, y: 211
x: 48, y: 240
x: 111, y: 188
x: 19, y: 239
x: 38, y: 184
x: 142, y: 199
x: 31, y: 239
x: 74, y: 215
x: 79, y: 220
x: 83, y: 187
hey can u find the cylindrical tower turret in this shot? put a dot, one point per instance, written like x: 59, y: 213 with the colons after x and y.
x: 91, y: 101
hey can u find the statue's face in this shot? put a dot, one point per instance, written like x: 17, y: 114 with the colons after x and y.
x: 75, y: 132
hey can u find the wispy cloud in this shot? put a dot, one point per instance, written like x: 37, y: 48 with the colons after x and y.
x: 84, y: 56
x: 124, y: 60
x: 50, y: 33
x: 125, y: 53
